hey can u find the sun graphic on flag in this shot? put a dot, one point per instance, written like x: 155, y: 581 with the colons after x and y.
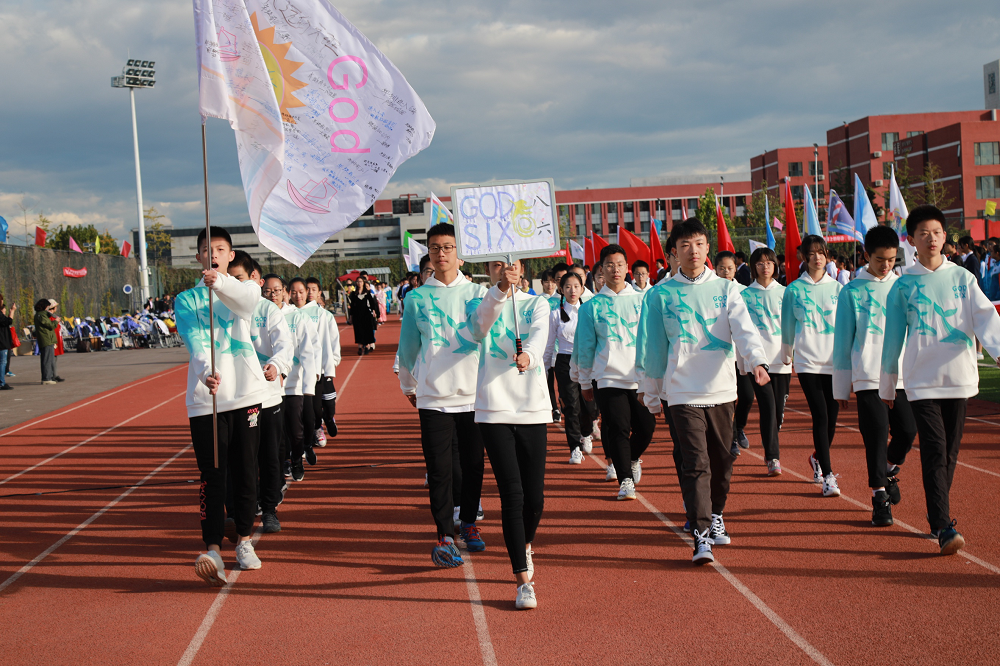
x: 279, y: 69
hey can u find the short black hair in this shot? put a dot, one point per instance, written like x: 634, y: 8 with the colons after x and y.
x: 762, y: 253
x: 725, y: 254
x: 879, y: 237
x: 217, y: 232
x: 740, y: 255
x: 311, y: 280
x: 297, y: 279
x: 689, y: 228
x: 608, y: 250
x: 273, y: 276
x: 360, y: 274
x: 670, y: 245
x: 640, y: 264
x: 812, y: 240
x: 256, y: 267
x: 42, y: 304
x: 922, y: 214
x: 242, y: 260
x: 561, y: 266
x: 424, y: 260
x: 661, y: 261
x: 441, y: 229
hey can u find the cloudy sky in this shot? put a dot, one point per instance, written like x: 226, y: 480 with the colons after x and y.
x: 588, y: 92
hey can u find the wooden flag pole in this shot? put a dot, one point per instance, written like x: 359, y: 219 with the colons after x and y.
x: 211, y: 312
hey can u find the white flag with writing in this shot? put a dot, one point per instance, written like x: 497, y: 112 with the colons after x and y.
x: 576, y: 250
x: 349, y: 116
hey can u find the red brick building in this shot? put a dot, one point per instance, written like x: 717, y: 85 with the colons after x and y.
x: 798, y: 164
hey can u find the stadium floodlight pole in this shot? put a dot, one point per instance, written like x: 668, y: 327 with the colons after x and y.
x: 138, y: 74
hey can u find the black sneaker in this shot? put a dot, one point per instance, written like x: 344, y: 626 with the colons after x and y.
x: 331, y: 429
x: 60, y: 379
x: 269, y: 523
x: 881, y: 509
x: 894, y: 470
x: 741, y: 440
x: 298, y: 472
x: 734, y: 450
x: 702, y: 547
x: 287, y: 468
x: 892, y: 489
x: 230, y: 531
x: 311, y: 455
x: 950, y: 540
x: 6, y: 387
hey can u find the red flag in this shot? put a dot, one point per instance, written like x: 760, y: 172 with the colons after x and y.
x: 126, y: 248
x: 40, y: 237
x: 634, y: 248
x: 684, y: 209
x: 599, y: 244
x: 792, y: 239
x: 725, y: 242
x: 569, y: 254
x: 655, y: 248
x: 588, y: 251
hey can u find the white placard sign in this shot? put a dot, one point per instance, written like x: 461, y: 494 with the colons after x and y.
x: 506, y: 218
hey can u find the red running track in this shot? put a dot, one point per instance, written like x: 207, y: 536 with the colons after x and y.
x: 99, y: 570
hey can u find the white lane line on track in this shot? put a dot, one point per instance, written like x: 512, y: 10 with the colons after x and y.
x: 963, y: 464
x: 896, y: 521
x: 48, y: 551
x: 756, y: 601
x: 72, y: 409
x: 213, y: 612
x: 478, y: 614
x: 88, y: 440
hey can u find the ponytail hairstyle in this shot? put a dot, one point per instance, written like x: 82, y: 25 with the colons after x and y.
x: 562, y: 299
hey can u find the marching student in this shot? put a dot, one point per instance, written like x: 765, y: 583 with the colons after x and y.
x: 299, y: 290
x: 604, y: 350
x: 690, y: 328
x: 549, y: 285
x: 764, y: 299
x: 558, y: 352
x: 640, y: 276
x: 726, y: 268
x: 239, y: 387
x: 808, y: 313
x: 934, y: 313
x: 438, y: 368
x: 510, y: 411
x: 272, y: 341
x: 857, y: 359
x: 324, y: 402
x: 300, y: 385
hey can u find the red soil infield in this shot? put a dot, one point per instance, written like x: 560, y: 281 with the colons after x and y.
x: 349, y: 578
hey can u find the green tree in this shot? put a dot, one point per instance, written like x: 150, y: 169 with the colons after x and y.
x: 157, y: 238
x: 935, y: 193
x: 83, y: 235
x: 108, y: 243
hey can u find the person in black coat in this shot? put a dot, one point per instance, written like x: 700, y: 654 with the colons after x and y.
x: 966, y: 248
x: 6, y: 342
x: 364, y: 316
x: 743, y: 270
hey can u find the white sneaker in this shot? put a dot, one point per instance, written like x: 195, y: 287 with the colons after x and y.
x: 455, y: 519
x: 702, y: 547
x: 830, y: 487
x: 980, y: 356
x: 576, y: 457
x: 817, y: 470
x: 597, y: 431
x: 587, y: 444
x: 425, y: 480
x: 531, y: 565
x: 718, y: 530
x: 627, y: 490
x: 320, y: 438
x: 526, y: 597
x: 210, y: 568
x: 612, y: 475
x: 637, y: 470
x: 245, y: 556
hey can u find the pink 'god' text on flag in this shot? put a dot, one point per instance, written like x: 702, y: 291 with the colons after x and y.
x: 348, y: 117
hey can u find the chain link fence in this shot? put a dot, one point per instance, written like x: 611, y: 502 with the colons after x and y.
x: 28, y: 274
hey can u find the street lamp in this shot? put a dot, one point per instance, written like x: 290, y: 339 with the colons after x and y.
x: 138, y: 74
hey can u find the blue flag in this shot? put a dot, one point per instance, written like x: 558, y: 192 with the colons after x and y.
x: 767, y: 221
x: 838, y: 219
x: 3, y: 230
x: 864, y: 214
x: 812, y: 217
x: 656, y: 225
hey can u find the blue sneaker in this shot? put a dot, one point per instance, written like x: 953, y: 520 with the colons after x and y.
x: 687, y: 526
x: 473, y: 541
x: 950, y: 540
x: 445, y: 554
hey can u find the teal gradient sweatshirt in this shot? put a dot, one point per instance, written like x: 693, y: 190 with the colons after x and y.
x: 808, y: 315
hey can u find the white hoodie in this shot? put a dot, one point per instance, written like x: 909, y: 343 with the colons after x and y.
x: 808, y: 314
x: 764, y: 306
x: 306, y: 361
x: 857, y: 342
x: 504, y: 395
x: 328, y: 337
x: 243, y: 383
x: 561, y: 333
x: 273, y: 343
x: 605, y: 344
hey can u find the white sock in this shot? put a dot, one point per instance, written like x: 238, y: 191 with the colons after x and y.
x: 875, y: 490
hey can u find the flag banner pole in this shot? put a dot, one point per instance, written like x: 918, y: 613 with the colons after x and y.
x: 517, y: 334
x: 211, y: 312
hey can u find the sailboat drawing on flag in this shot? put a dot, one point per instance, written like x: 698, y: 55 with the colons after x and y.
x: 313, y: 197
x: 227, y: 46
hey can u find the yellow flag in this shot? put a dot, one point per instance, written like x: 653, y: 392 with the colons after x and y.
x: 991, y: 207
x: 97, y: 245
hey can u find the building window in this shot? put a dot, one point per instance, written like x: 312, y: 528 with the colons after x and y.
x: 563, y: 215
x: 595, y: 218
x: 910, y: 135
x: 819, y: 194
x: 628, y: 215
x: 408, y: 206
x: 889, y: 138
x: 797, y: 192
x: 794, y: 169
x: 815, y: 168
x: 581, y: 219
x: 886, y: 170
x: 987, y: 153
x: 612, y: 218
x: 987, y: 187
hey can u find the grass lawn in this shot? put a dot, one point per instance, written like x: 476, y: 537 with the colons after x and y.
x: 989, y: 380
